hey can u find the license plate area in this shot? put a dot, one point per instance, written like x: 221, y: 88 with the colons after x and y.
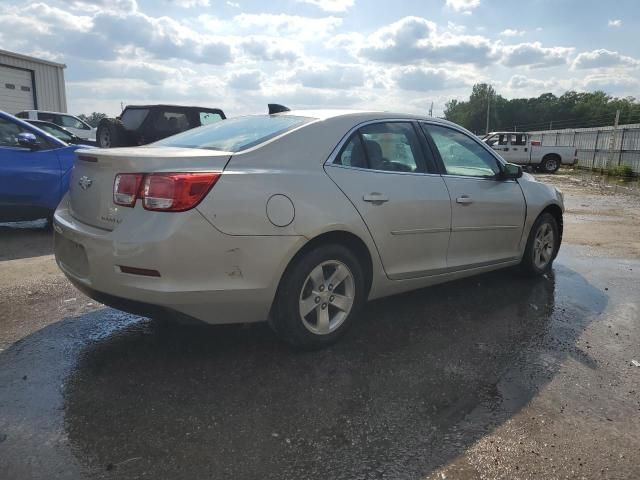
x: 72, y: 256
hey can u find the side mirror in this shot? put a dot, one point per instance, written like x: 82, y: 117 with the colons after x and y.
x: 28, y: 140
x: 511, y: 171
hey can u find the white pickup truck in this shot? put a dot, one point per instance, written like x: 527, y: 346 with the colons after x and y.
x: 517, y: 147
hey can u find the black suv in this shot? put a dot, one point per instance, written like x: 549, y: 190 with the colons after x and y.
x: 142, y: 124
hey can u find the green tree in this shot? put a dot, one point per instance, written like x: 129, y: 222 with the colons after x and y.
x: 570, y: 110
x: 92, y: 119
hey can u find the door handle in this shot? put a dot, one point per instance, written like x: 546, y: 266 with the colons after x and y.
x: 464, y: 200
x: 375, y: 198
x: 506, y: 149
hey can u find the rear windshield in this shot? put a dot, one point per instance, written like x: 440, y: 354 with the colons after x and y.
x: 235, y: 134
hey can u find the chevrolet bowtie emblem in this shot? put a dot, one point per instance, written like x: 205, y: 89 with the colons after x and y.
x: 85, y: 182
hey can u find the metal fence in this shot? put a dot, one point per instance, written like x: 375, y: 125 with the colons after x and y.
x: 598, y: 148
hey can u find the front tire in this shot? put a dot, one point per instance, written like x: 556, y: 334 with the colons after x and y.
x: 542, y: 245
x: 319, y: 297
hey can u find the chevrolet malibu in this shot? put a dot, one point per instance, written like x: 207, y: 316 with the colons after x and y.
x: 298, y: 218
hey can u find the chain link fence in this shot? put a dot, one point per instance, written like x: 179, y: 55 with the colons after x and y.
x: 598, y: 148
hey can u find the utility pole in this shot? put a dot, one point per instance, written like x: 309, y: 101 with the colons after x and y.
x: 488, y: 106
x: 431, y: 110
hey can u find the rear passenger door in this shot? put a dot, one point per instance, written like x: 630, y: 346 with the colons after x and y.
x: 386, y: 172
x: 487, y: 212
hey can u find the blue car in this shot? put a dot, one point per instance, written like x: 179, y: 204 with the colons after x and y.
x: 35, y: 168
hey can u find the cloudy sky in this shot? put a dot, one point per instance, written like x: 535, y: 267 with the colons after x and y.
x: 375, y: 54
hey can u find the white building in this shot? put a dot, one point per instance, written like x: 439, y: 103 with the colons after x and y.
x: 28, y: 83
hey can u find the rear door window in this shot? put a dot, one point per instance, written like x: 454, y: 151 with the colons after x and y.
x: 132, y: 118
x: 385, y: 146
x: 519, y: 139
x: 169, y: 123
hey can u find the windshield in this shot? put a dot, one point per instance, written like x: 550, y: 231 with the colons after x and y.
x: 235, y: 134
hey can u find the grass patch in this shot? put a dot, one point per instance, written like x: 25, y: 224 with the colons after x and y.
x: 620, y: 171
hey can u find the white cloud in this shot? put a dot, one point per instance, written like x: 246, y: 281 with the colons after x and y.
x: 456, y: 28
x: 233, y: 4
x: 427, y: 79
x: 518, y: 82
x: 330, y: 5
x: 246, y: 80
x: 464, y: 6
x: 412, y: 39
x: 264, y: 48
x: 330, y: 76
x: 509, y: 32
x: 613, y: 83
x: 615, y: 23
x: 190, y: 3
x: 603, y: 58
x: 287, y: 25
x: 534, y: 55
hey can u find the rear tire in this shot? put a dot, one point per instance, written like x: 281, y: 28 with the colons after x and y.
x: 542, y: 245
x: 319, y: 297
x: 550, y: 164
x: 110, y: 133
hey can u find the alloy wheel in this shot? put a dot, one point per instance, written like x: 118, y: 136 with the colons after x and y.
x: 327, y: 297
x: 543, y: 246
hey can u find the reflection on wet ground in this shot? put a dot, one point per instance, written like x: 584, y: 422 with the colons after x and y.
x: 412, y: 386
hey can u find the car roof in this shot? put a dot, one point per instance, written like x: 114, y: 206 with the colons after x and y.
x: 171, y: 106
x: 364, y: 115
x: 44, y: 122
x: 48, y: 111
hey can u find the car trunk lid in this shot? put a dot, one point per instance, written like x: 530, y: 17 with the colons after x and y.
x: 94, y: 172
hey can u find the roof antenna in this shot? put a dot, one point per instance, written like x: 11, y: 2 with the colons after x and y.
x: 275, y: 108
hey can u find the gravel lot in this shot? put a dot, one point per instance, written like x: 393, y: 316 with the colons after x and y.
x: 496, y: 376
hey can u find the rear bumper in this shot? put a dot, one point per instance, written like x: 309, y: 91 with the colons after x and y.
x: 204, y: 274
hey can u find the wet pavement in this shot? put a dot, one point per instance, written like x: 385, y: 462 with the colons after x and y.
x: 496, y: 376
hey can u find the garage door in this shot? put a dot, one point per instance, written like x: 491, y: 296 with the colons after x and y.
x: 16, y: 90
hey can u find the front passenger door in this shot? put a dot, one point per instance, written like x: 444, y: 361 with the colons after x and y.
x: 487, y: 213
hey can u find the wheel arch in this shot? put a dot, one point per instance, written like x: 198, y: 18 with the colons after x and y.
x: 340, y: 237
x: 552, y: 155
x: 556, y: 212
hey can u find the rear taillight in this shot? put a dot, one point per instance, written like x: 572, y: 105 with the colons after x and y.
x: 536, y: 143
x: 176, y: 192
x: 126, y: 188
x: 166, y: 192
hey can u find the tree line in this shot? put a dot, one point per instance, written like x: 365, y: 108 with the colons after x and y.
x: 548, y: 111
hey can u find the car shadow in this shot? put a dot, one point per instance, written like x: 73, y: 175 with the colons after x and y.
x: 25, y: 240
x: 417, y: 381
